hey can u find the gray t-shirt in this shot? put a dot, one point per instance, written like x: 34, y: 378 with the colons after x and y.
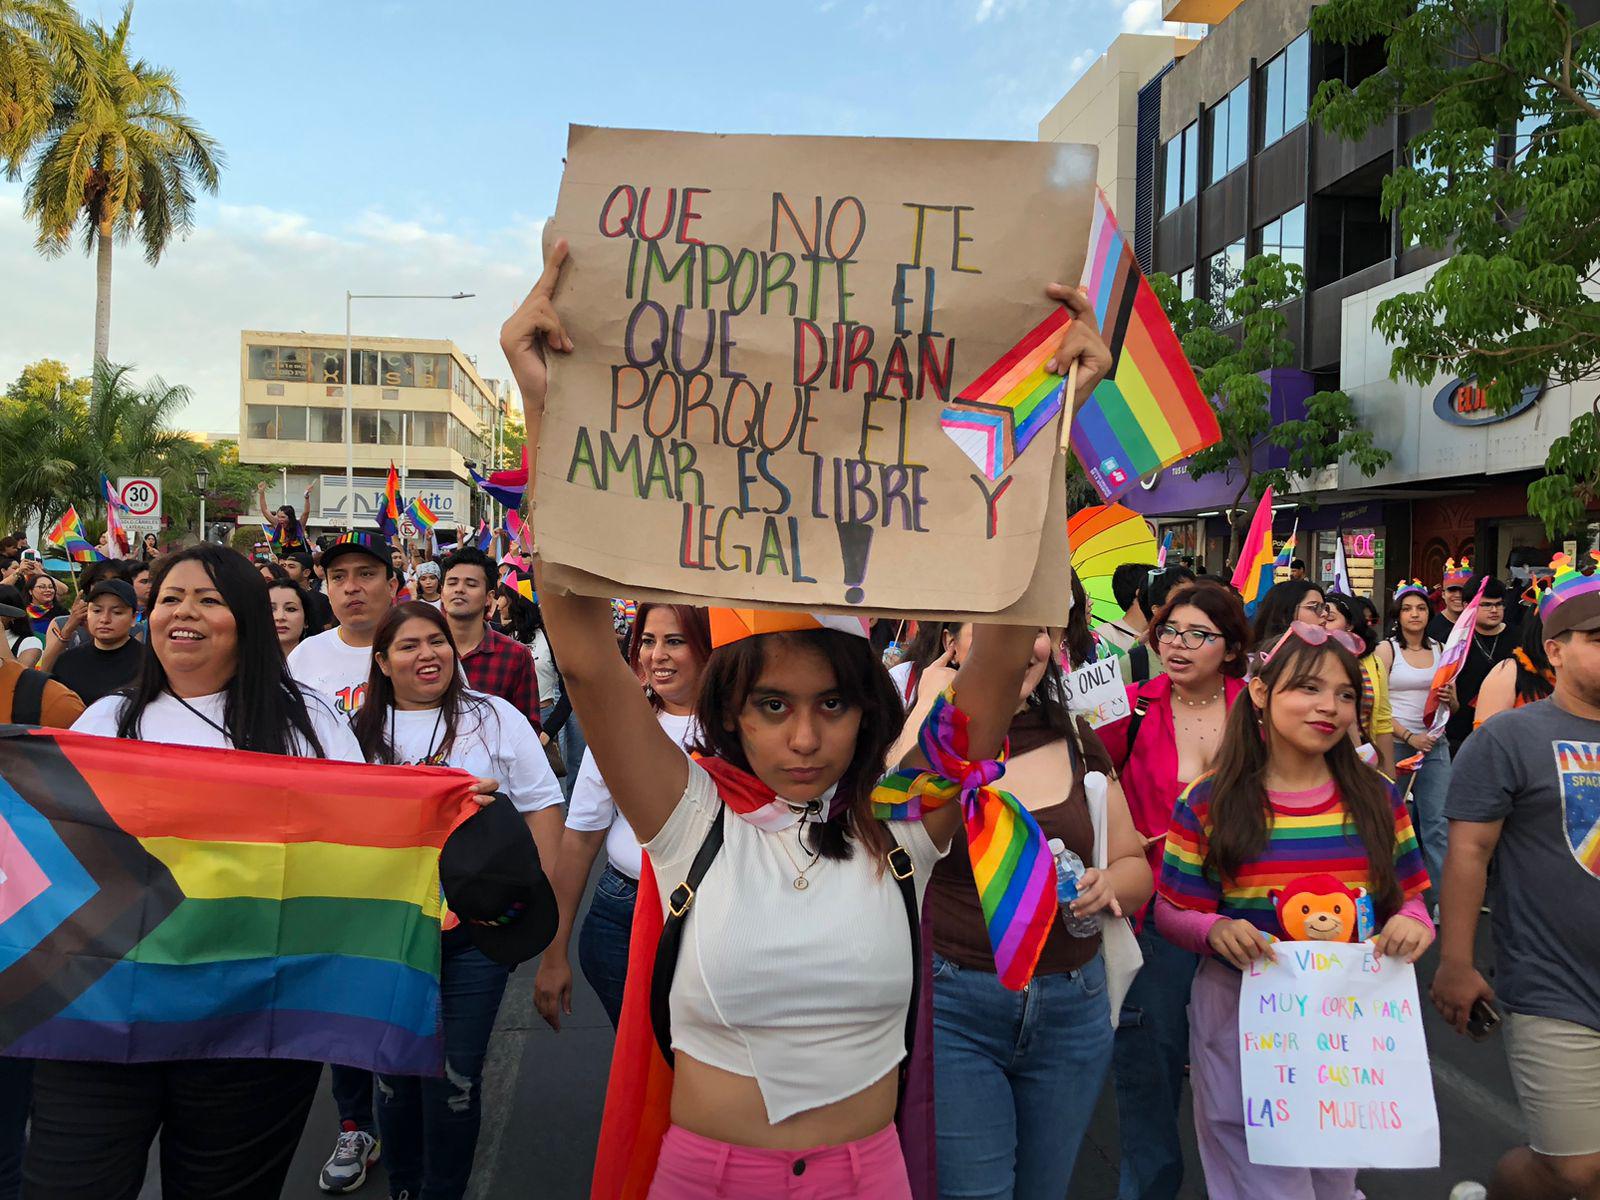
x: 1538, y: 769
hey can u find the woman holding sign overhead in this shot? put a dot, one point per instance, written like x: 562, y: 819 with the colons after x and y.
x: 1288, y: 800
x: 784, y: 960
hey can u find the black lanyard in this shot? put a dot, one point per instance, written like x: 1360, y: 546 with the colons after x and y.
x: 225, y: 735
x: 438, y: 716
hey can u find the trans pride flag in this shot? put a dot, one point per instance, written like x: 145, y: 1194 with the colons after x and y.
x: 164, y: 902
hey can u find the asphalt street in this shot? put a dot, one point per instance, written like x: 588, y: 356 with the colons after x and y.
x: 543, y: 1094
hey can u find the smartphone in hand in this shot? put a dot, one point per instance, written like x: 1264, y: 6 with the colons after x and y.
x: 1483, y: 1020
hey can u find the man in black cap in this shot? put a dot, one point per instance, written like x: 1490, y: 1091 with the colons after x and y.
x: 113, y: 657
x: 361, y: 588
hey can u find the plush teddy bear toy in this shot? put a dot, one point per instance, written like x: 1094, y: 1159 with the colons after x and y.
x: 1317, y: 908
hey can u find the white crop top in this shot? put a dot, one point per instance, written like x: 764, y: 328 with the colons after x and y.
x: 805, y: 991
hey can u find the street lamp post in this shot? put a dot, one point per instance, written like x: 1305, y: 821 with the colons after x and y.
x: 350, y: 383
x: 202, y: 478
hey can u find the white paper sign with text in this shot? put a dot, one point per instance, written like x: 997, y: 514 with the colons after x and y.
x: 1333, y: 1064
x: 1096, y: 692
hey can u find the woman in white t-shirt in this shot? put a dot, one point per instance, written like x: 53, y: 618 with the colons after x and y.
x: 216, y: 678
x: 786, y: 1013
x: 667, y: 649
x: 420, y: 712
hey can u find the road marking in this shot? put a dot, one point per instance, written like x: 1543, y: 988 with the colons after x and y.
x: 1479, y: 1098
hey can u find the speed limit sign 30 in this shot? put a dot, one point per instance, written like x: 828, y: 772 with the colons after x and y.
x: 141, y: 496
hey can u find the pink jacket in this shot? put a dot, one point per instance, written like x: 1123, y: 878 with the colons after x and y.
x: 1150, y: 774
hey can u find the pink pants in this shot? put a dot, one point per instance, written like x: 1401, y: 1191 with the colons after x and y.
x: 1219, y: 1104
x: 692, y: 1167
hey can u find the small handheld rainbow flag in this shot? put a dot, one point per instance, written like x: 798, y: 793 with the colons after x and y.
x: 996, y: 416
x: 389, y: 513
x: 1454, y: 655
x: 421, y: 515
x: 1286, y: 554
x: 1252, y: 577
x: 1149, y: 412
x: 68, y: 533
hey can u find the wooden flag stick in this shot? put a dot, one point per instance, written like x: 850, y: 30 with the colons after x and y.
x: 1069, y: 406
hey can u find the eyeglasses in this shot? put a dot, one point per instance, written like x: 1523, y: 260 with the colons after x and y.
x: 1190, y: 639
x: 1315, y: 635
x: 1320, y: 609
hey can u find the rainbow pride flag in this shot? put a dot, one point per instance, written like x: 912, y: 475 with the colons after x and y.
x: 421, y: 515
x: 1011, y: 865
x: 1286, y: 552
x: 1252, y: 577
x: 1149, y: 412
x: 164, y: 902
x: 389, y: 512
x: 996, y: 416
x: 69, y: 534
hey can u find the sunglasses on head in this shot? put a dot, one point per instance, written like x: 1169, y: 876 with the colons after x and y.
x: 1314, y: 635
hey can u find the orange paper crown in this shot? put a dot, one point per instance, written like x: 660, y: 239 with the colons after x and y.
x: 729, y: 625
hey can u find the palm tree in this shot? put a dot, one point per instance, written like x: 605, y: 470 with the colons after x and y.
x: 120, y: 159
x: 41, y: 41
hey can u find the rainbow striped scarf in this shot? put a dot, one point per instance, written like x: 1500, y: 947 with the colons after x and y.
x: 1015, y: 875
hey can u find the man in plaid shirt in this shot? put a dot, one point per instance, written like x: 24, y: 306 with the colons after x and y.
x: 495, y: 664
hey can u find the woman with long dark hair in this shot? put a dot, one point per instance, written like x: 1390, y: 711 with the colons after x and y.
x: 1374, y: 727
x: 1016, y: 1085
x: 293, y: 618
x: 1288, y: 797
x: 782, y: 1051
x: 1168, y: 741
x: 419, y: 711
x: 1284, y: 604
x: 24, y: 645
x: 149, y: 548
x: 667, y: 648
x: 215, y: 677
x: 288, y: 535
x: 1412, y: 657
x: 44, y: 603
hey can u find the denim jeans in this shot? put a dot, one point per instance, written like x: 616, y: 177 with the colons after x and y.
x: 352, y: 1096
x: 573, y: 744
x: 1152, y: 1050
x: 1016, y: 1078
x: 603, y: 940
x: 430, y: 1126
x: 16, y: 1095
x: 1428, y: 789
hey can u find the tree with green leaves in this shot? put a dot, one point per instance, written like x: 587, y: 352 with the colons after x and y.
x: 41, y: 43
x: 1231, y: 370
x: 49, y: 381
x: 118, y: 159
x: 1507, y: 177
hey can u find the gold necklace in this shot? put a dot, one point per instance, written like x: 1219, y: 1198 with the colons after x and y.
x: 1206, y: 703
x: 800, y: 883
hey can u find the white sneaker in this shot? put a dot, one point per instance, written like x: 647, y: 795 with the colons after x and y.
x: 346, y: 1170
x: 1468, y: 1189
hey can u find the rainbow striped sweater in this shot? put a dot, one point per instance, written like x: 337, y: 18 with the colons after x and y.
x: 1302, y: 839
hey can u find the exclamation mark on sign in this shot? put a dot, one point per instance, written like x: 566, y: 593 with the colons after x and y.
x: 855, y: 544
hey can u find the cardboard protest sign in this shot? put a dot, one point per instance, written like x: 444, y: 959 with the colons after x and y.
x: 1332, y: 1060
x: 809, y: 372
x: 1095, y: 692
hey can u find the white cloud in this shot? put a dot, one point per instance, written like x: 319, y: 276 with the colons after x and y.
x: 1144, y: 16
x: 997, y: 9
x: 253, y: 267
x: 1080, y: 63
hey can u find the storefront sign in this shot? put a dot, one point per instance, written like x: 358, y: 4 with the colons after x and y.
x: 1463, y: 402
x: 450, y: 500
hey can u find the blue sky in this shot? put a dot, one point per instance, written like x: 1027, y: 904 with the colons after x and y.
x: 396, y: 145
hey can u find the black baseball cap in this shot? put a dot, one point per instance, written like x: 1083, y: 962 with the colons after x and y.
x: 492, y: 879
x: 374, y: 545
x: 120, y: 588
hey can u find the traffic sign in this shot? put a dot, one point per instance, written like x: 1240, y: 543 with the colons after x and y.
x: 141, y: 496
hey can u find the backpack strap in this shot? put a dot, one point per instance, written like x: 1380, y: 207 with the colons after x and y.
x: 905, y: 877
x: 1135, y: 719
x: 678, y: 905
x: 27, y: 701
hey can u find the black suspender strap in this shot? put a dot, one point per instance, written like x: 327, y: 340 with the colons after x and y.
x: 905, y: 877
x: 678, y: 906
x: 1135, y: 719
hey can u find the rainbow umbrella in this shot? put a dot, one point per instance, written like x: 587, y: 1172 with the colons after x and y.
x: 1103, y: 537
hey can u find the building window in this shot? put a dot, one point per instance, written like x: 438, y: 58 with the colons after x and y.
x: 364, y: 427
x: 1185, y: 282
x: 433, y: 370
x: 398, y: 369
x: 391, y: 426
x: 330, y: 366
x: 1226, y: 124
x: 261, y: 420
x: 1224, y: 269
x: 327, y: 425
x: 427, y: 429
x: 279, y: 362
x: 291, y: 423
x: 1285, y: 86
x: 1286, y: 237
x: 1182, y: 168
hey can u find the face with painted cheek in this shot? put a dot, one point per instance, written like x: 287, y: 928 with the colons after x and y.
x: 797, y: 731
x: 1310, y: 714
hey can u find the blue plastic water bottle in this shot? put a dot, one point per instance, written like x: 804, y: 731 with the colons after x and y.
x: 1069, y: 869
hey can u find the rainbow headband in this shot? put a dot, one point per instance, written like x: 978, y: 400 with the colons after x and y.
x: 1410, y: 587
x: 1568, y: 585
x: 1455, y: 576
